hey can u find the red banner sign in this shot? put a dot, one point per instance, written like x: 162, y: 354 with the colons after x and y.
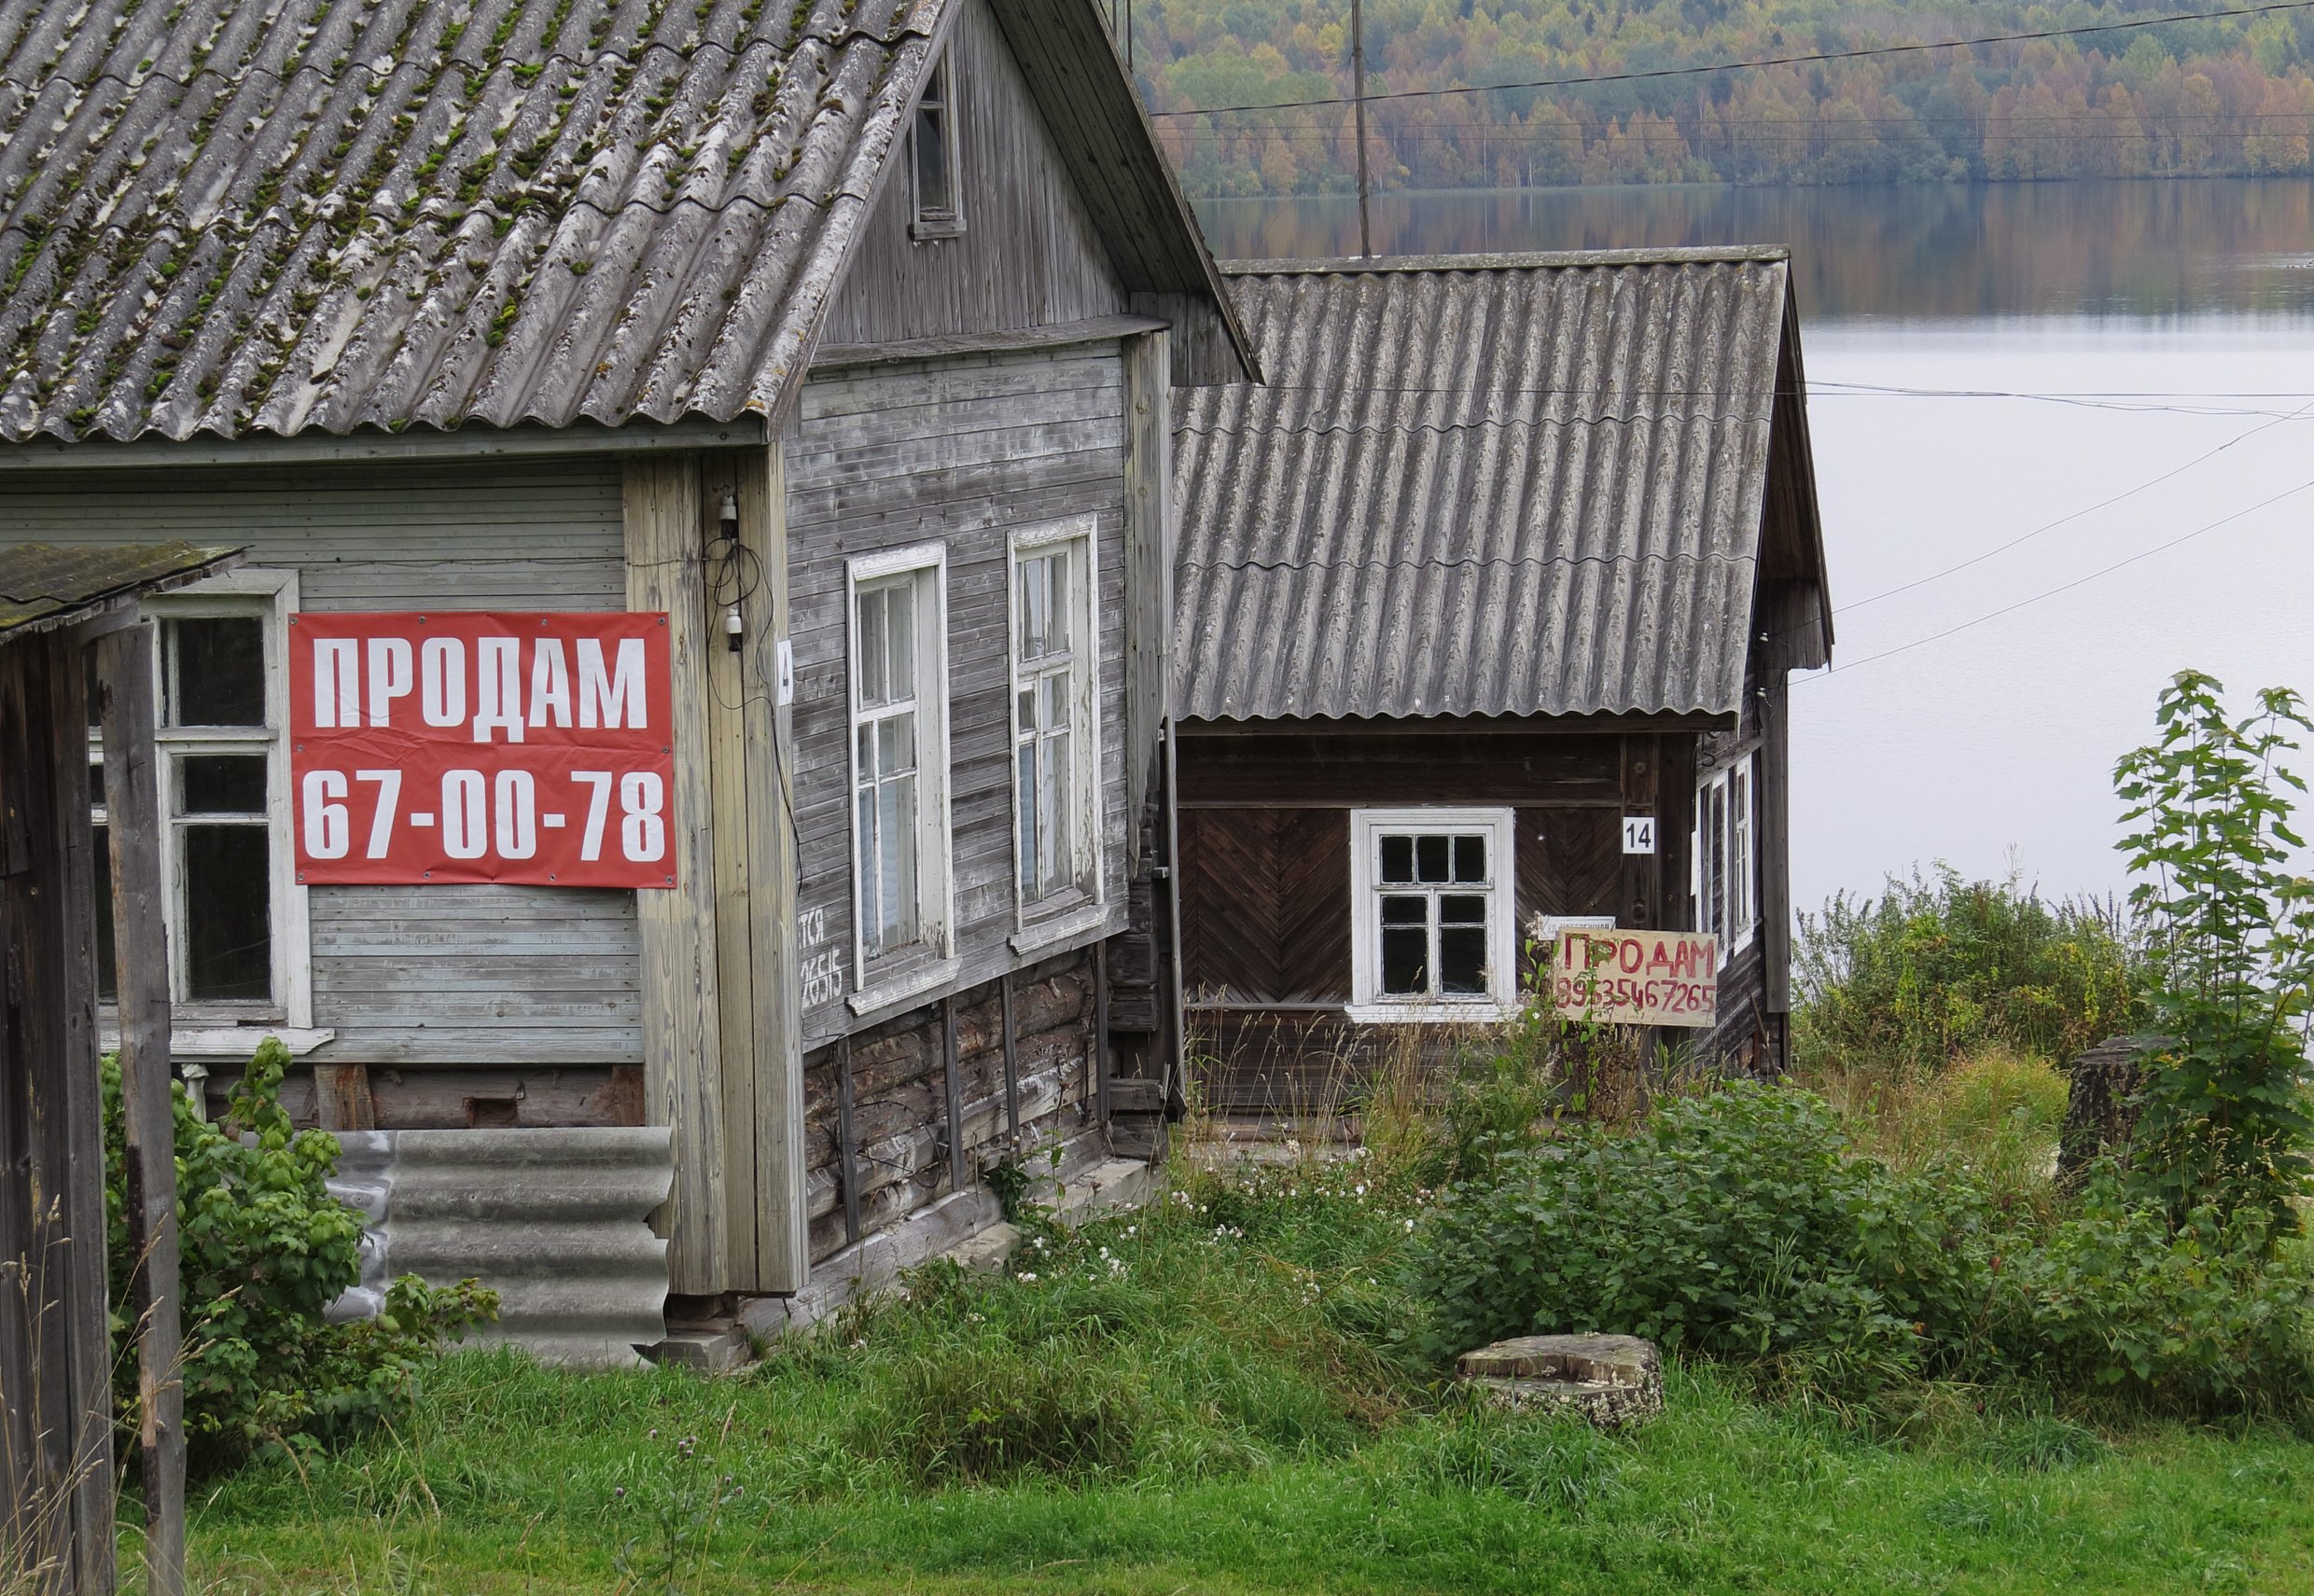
x: 475, y: 746
x: 1636, y: 977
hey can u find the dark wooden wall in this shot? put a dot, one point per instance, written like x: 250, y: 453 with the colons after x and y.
x: 1030, y: 254
x: 55, y: 1348
x: 1265, y: 867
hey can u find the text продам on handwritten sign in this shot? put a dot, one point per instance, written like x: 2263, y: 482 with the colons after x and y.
x: 473, y: 746
x: 1636, y: 977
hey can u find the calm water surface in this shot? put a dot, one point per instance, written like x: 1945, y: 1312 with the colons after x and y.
x: 2116, y: 379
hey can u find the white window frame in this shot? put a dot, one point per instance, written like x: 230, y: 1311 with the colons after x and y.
x: 1734, y: 854
x: 1086, y: 882
x: 1368, y: 1004
x: 218, y: 1027
x: 938, y: 98
x: 928, y: 564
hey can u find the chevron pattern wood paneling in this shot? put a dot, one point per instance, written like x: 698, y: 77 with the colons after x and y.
x: 1570, y: 861
x: 1266, y: 905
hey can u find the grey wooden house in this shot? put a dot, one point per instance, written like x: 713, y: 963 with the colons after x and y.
x: 1504, y: 551
x: 844, y: 335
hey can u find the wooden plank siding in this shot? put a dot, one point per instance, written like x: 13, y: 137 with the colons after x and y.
x: 961, y: 453
x: 1266, y: 904
x: 480, y: 976
x: 1029, y: 254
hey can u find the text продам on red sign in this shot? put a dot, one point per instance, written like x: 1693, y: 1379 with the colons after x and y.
x: 478, y: 746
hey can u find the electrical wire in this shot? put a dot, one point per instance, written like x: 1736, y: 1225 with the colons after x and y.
x: 1859, y: 54
x: 2066, y: 520
x: 2061, y: 587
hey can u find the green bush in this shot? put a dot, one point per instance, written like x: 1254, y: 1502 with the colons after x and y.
x: 1733, y: 1226
x: 264, y: 1249
x: 2205, y: 1316
x: 1933, y: 968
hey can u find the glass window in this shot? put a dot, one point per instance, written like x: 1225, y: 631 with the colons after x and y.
x: 218, y: 744
x: 934, y: 143
x: 1438, y: 898
x: 889, y: 793
x: 1727, y: 899
x: 1051, y: 797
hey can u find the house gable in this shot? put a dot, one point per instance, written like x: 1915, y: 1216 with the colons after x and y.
x: 1030, y: 254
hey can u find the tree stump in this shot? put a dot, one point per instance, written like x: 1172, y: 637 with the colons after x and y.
x: 1612, y: 1380
x: 2101, y: 1107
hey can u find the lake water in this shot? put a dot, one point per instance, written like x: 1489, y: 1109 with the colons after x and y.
x: 2116, y: 379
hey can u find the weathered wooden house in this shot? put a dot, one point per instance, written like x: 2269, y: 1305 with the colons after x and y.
x: 1504, y: 551
x: 841, y: 336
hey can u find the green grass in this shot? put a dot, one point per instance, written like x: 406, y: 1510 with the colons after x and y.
x: 1221, y: 1402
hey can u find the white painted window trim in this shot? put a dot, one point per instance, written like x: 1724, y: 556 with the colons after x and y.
x: 207, y: 1028
x: 1087, y: 863
x: 1367, y: 1005
x: 935, y: 867
x: 1736, y: 864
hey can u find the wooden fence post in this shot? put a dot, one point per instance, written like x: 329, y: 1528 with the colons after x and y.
x: 140, y: 961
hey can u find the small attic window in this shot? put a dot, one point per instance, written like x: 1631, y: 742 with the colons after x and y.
x: 933, y: 144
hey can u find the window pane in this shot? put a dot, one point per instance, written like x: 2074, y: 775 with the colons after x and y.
x: 1462, y: 960
x: 1025, y: 798
x: 1401, y: 910
x: 96, y: 783
x: 871, y: 645
x: 1054, y: 862
x: 107, y: 988
x: 900, y: 624
x: 867, y: 751
x: 934, y: 195
x: 869, y: 867
x: 1461, y: 910
x: 899, y: 852
x: 1431, y: 858
x: 1028, y: 708
x: 1056, y: 690
x: 221, y: 784
x: 1403, y: 951
x: 1470, y: 858
x: 895, y: 744
x: 228, y: 918
x: 1398, y: 859
x: 216, y: 671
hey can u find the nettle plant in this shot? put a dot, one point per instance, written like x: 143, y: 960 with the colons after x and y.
x: 2222, y: 1121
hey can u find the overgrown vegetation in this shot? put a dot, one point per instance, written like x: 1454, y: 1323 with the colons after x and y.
x: 264, y: 1250
x: 1937, y: 966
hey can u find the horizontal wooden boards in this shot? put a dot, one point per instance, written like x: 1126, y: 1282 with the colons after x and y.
x: 1317, y: 766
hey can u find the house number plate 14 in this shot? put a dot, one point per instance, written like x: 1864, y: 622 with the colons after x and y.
x: 1638, y: 834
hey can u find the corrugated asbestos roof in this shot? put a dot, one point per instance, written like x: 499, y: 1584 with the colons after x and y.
x: 239, y: 216
x: 1480, y: 485
x: 42, y: 586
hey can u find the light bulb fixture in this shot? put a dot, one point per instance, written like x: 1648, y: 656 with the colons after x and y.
x: 735, y: 629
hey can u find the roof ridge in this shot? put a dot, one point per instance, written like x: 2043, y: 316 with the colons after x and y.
x: 1526, y: 260
x: 1708, y: 557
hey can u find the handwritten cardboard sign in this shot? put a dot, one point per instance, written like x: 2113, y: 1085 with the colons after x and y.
x: 470, y: 746
x: 1636, y: 977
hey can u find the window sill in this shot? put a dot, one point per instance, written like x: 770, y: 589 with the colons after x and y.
x: 1482, y: 1012
x: 926, y: 232
x: 891, y: 994
x: 1060, y: 928
x: 228, y: 1041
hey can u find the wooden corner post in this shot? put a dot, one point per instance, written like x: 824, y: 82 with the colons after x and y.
x: 682, y: 1018
x: 141, y: 978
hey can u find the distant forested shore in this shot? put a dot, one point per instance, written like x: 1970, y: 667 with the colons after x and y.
x: 2217, y: 96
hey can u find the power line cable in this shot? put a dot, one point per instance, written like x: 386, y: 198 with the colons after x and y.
x: 2062, y: 588
x: 1862, y: 52
x: 2066, y: 520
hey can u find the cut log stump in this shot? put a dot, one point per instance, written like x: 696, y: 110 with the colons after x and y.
x: 1612, y: 1380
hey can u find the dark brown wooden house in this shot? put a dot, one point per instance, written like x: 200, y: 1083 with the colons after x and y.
x: 1493, y: 584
